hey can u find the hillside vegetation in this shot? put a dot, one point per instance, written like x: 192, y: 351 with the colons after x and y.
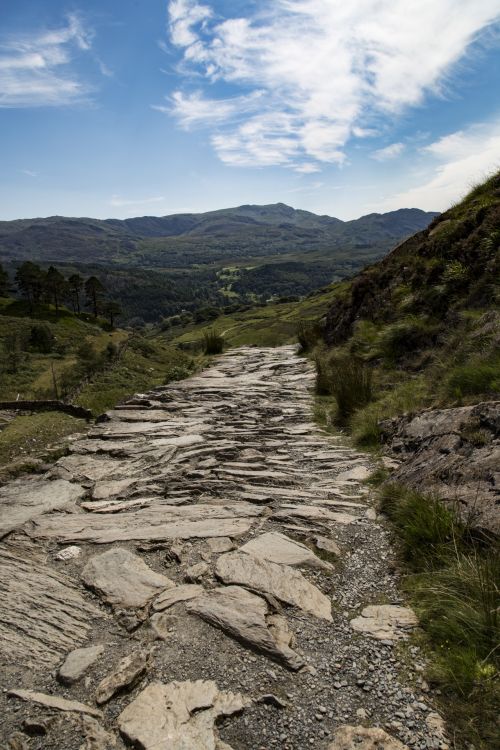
x: 425, y: 320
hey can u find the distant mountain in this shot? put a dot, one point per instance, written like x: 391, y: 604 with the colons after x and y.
x: 216, y: 236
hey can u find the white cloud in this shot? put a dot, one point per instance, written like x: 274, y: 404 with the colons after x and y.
x: 459, y: 160
x: 389, y: 152
x: 195, y: 109
x: 321, y: 67
x: 29, y: 172
x: 119, y: 202
x: 35, y: 68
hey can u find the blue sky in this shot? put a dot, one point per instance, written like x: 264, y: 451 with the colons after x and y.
x: 131, y: 107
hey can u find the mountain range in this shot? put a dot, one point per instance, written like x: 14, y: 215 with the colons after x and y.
x: 180, y: 240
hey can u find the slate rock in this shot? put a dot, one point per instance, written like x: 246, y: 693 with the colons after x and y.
x: 281, y: 581
x: 126, y: 673
x: 123, y: 579
x: 364, y: 738
x: 178, y: 715
x: 77, y: 662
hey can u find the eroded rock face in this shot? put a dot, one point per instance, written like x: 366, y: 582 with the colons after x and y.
x: 43, y: 614
x: 77, y: 663
x: 178, y: 716
x: 243, y: 615
x: 123, y: 579
x: 279, y: 548
x: 453, y: 453
x: 385, y: 621
x: 281, y: 581
x: 364, y: 738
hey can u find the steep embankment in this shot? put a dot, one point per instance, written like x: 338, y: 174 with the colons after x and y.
x: 424, y: 324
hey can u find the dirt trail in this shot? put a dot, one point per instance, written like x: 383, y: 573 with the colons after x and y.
x: 198, y: 574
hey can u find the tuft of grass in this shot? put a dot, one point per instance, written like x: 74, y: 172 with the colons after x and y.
x: 348, y: 379
x: 453, y: 584
x: 213, y: 342
x: 429, y: 530
x: 308, y: 334
x: 30, y: 435
x: 473, y: 379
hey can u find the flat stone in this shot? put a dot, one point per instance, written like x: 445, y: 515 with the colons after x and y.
x: 196, y: 572
x: 77, y: 662
x: 279, y: 548
x: 95, y: 737
x: 220, y: 545
x: 178, y: 594
x: 357, y: 473
x: 313, y: 513
x: 106, y: 489
x: 43, y: 615
x: 243, y: 615
x: 385, y: 621
x: 127, y: 672
x: 178, y: 716
x: 156, y: 522
x: 123, y: 579
x: 54, y: 701
x: 364, y: 738
x: 283, y: 582
x: 25, y: 499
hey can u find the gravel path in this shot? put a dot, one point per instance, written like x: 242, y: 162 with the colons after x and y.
x: 205, y: 571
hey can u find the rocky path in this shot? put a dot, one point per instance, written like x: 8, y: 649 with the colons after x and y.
x: 204, y: 572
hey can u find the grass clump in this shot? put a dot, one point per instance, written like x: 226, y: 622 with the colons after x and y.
x: 473, y: 379
x: 213, y: 342
x: 453, y: 583
x: 308, y: 335
x: 348, y: 379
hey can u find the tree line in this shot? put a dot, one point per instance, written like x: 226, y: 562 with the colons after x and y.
x: 37, y: 285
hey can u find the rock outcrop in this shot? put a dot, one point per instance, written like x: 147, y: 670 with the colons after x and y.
x: 453, y: 453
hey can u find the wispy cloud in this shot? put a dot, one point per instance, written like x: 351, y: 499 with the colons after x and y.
x: 389, y: 152
x: 35, y: 69
x: 321, y: 69
x: 119, y: 202
x: 29, y: 172
x: 458, y: 160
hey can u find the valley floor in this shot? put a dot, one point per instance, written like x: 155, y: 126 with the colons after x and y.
x: 216, y: 558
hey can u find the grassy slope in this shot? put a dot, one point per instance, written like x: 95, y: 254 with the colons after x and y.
x: 146, y: 360
x: 270, y: 325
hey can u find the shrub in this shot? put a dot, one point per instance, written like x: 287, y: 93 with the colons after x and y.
x: 41, y: 338
x: 407, y: 336
x: 308, y: 334
x: 213, y: 342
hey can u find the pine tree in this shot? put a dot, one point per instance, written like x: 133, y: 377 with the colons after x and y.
x: 4, y: 281
x: 55, y: 284
x: 75, y: 283
x: 94, y: 291
x: 30, y: 280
